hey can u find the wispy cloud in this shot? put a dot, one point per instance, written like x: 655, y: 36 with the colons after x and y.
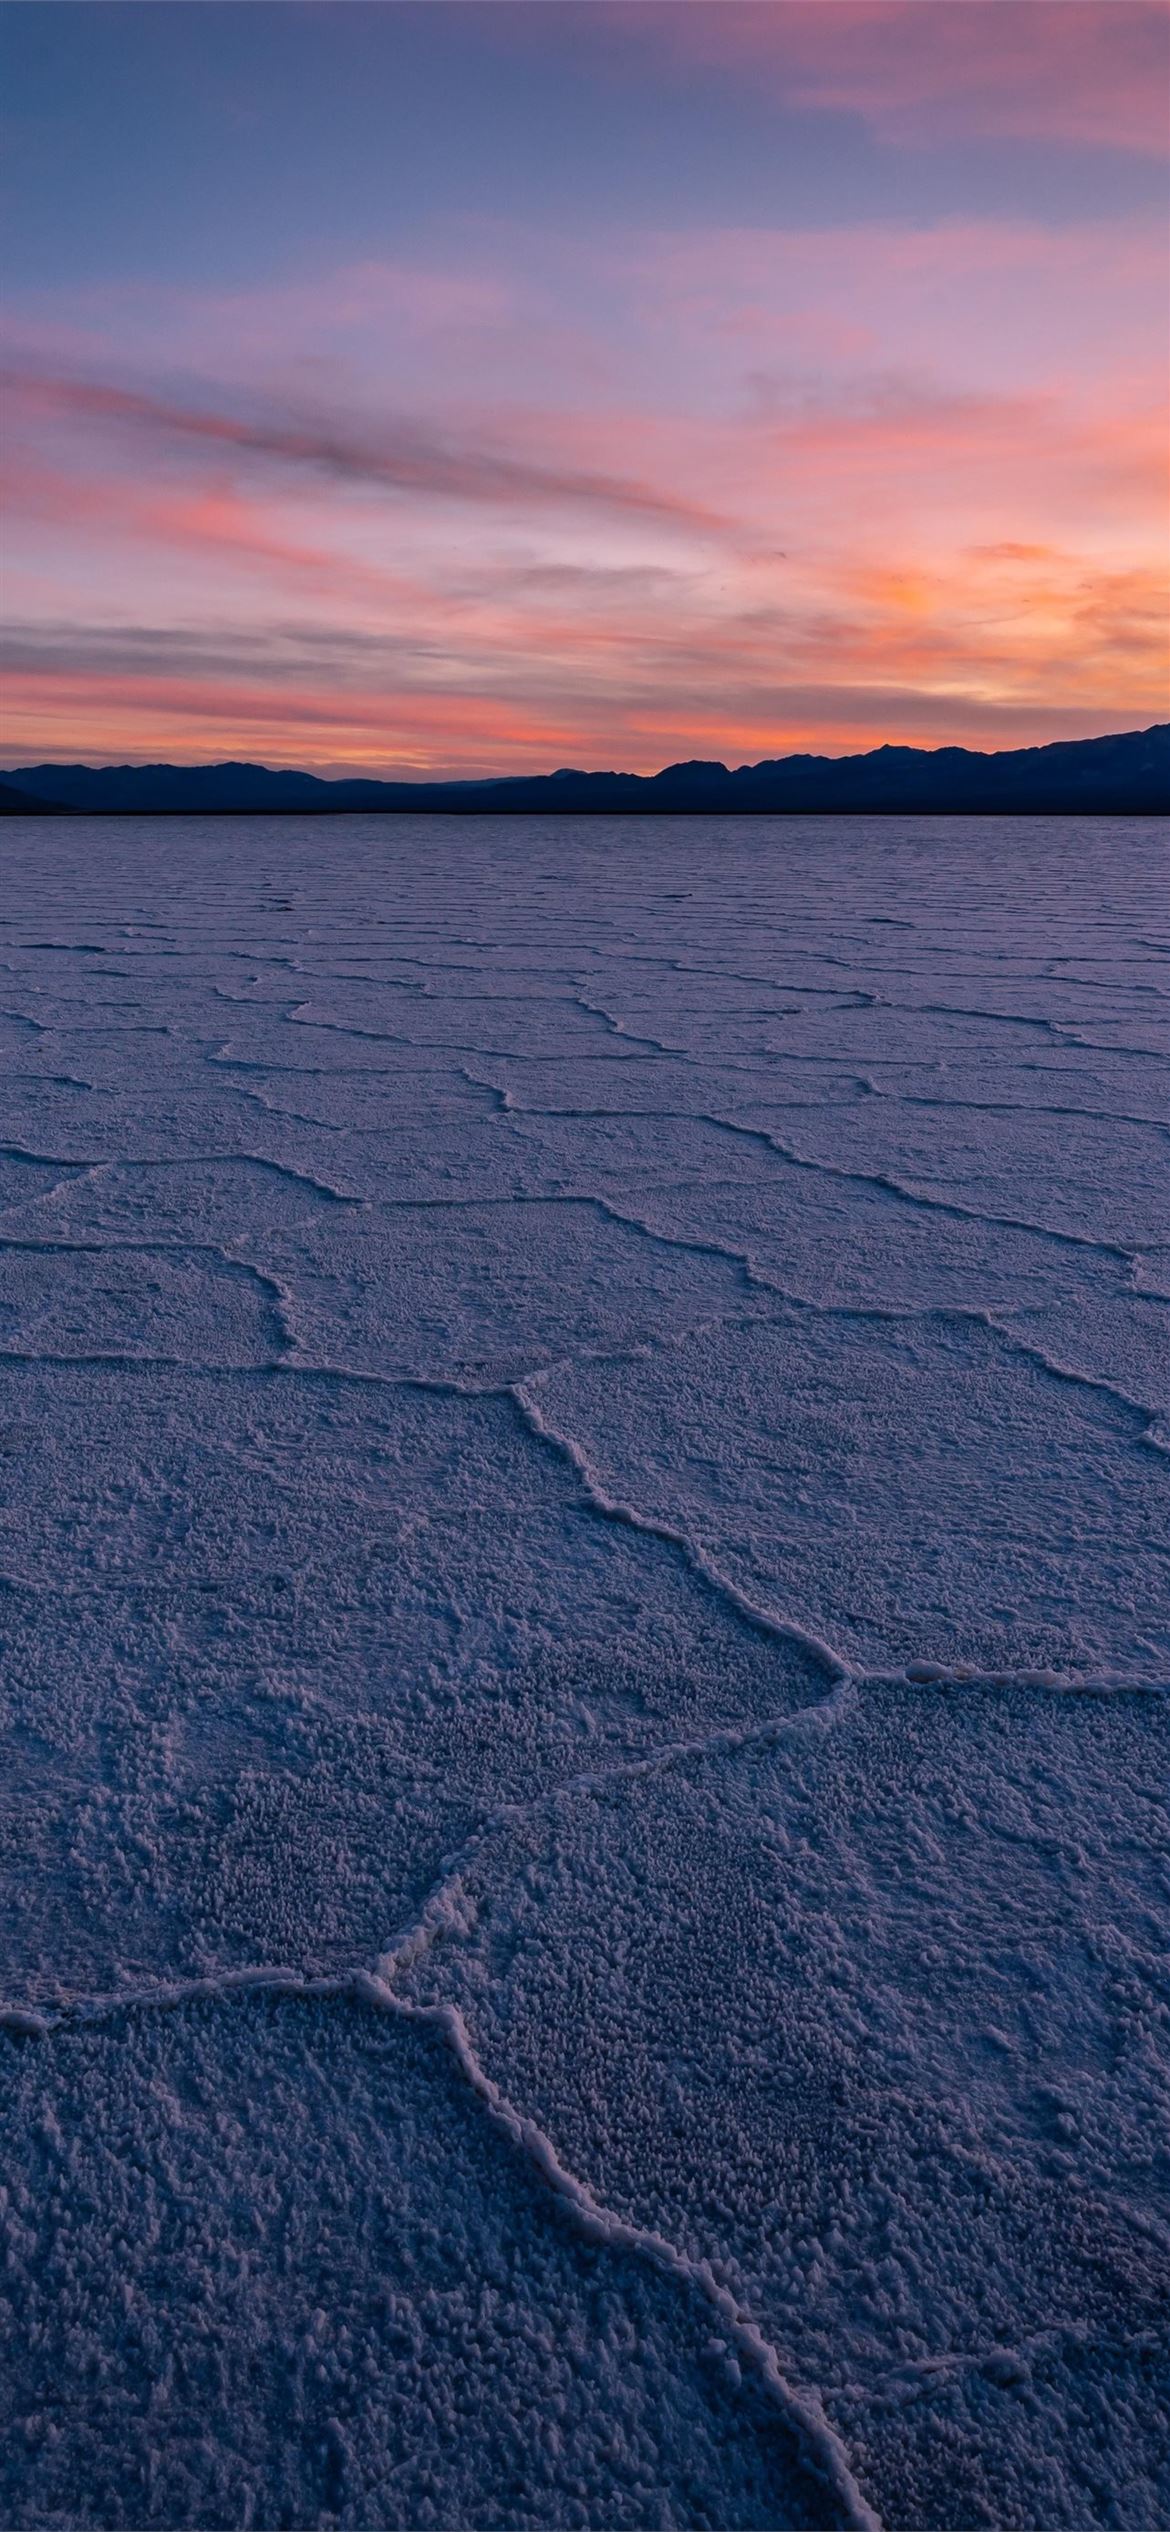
x: 405, y: 457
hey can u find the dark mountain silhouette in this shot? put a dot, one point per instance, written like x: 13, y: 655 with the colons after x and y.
x: 15, y: 803
x: 1124, y: 775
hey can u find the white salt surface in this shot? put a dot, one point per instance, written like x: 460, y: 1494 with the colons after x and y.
x: 585, y: 1607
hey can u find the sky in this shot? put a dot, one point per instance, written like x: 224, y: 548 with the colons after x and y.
x: 474, y: 388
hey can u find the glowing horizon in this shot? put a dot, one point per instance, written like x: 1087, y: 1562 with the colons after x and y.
x: 484, y: 389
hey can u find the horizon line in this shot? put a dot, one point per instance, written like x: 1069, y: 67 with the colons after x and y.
x: 580, y: 773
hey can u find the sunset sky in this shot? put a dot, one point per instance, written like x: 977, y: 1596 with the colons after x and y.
x: 483, y: 387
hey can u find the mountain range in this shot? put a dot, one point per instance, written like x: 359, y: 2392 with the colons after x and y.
x: 1127, y: 774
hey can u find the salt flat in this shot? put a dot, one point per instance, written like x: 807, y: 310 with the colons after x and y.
x: 586, y: 1625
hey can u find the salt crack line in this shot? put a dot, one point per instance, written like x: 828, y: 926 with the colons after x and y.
x: 451, y: 1909
x: 763, y: 1621
x: 1006, y: 2364
x: 27, y: 2022
x: 1015, y: 1108
x: 92, y: 1168
x: 1000, y: 1326
x: 802, y: 2410
x: 882, y: 1181
x: 630, y: 1037
x: 929, y: 1674
x: 886, y: 1184
x: 277, y: 1294
x: 448, y: 1907
x: 1152, y: 1435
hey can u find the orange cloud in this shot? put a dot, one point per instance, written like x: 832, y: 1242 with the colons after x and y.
x: 983, y: 645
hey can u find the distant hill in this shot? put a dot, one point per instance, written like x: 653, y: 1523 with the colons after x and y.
x: 1124, y: 775
x: 15, y: 803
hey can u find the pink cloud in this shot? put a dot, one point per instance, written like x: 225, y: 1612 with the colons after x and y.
x: 209, y: 521
x: 1080, y: 71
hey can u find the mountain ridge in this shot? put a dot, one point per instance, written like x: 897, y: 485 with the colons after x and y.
x: 1123, y: 773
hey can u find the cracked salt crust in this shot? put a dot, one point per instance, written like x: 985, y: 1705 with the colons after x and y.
x: 585, y: 1627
